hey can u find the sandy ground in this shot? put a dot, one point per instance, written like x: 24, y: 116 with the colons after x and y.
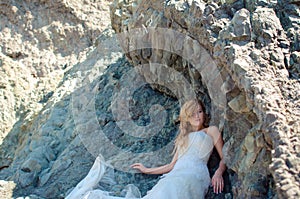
x: 6, y: 189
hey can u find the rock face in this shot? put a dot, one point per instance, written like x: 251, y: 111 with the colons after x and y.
x: 69, y: 94
x: 254, y: 46
x: 39, y: 41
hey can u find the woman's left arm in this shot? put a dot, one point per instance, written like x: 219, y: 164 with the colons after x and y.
x: 217, y: 179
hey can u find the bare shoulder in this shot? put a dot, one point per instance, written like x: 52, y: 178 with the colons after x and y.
x: 214, y: 132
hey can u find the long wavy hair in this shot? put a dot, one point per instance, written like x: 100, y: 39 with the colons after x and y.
x: 185, y: 127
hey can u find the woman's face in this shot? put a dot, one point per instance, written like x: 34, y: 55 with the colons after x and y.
x: 197, y: 119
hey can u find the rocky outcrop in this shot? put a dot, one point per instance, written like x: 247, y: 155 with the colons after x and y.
x: 39, y: 41
x: 254, y: 46
x: 70, y: 92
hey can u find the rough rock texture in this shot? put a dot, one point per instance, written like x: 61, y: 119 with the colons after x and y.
x: 255, y: 47
x: 39, y: 41
x: 62, y: 83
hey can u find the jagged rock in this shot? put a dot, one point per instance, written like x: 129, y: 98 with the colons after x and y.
x: 238, y: 104
x: 39, y: 41
x: 239, y: 28
x: 245, y: 48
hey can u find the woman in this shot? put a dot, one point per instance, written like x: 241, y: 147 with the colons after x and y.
x: 187, y: 175
x: 190, y: 152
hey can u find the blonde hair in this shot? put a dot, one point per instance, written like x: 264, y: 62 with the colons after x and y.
x: 186, y: 113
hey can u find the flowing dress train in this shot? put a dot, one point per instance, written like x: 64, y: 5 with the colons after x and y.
x: 189, y: 179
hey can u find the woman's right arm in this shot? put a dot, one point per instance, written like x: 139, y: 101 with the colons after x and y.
x: 156, y: 170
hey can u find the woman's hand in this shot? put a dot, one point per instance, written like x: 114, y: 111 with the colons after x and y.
x: 217, y: 182
x: 139, y: 166
x: 154, y: 170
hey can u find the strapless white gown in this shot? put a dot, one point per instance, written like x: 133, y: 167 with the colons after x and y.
x: 189, y: 179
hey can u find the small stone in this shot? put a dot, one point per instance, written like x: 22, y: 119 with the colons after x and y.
x: 239, y: 104
x: 31, y: 165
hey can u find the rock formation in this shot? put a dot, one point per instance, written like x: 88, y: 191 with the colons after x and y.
x: 72, y: 88
x: 254, y: 45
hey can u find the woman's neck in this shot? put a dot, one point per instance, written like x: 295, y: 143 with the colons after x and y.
x: 197, y: 128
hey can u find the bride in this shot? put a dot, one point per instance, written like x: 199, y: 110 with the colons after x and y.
x: 186, y: 176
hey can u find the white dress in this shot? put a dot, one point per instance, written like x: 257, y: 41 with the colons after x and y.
x: 189, y: 179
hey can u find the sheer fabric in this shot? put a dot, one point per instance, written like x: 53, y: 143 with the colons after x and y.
x: 188, y: 179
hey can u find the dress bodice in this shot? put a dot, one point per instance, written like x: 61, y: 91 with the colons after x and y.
x: 197, y: 153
